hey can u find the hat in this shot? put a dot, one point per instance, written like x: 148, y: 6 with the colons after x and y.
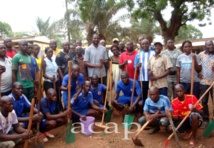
x: 158, y: 43
x: 115, y: 39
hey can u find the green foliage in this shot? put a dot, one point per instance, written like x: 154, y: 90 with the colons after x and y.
x: 5, y: 29
x: 188, y: 32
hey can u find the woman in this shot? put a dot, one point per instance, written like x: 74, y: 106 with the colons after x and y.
x: 184, y: 68
x: 49, y: 68
x: 115, y: 64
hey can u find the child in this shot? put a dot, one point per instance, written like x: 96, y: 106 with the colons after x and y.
x: 182, y: 105
x: 53, y: 117
x: 81, y: 101
x: 77, y: 80
x: 97, y: 90
x: 8, y: 119
x: 21, y: 104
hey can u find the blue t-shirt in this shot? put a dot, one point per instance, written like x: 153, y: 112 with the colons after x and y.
x: 33, y: 65
x: 98, y: 92
x: 46, y: 106
x: 20, y: 105
x: 74, y: 84
x: 82, y: 103
x: 162, y: 104
x: 127, y: 89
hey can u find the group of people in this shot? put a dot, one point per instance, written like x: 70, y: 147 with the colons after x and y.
x: 146, y: 80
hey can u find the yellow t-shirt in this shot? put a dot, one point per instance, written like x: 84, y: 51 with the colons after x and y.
x: 55, y: 52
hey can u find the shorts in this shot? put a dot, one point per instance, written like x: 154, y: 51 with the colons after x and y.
x: 126, y: 100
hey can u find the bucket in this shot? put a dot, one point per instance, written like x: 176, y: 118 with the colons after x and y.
x: 87, y: 126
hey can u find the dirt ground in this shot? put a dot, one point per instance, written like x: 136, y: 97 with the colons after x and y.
x: 115, y: 140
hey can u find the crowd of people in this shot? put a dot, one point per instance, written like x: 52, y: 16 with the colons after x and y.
x: 145, y: 80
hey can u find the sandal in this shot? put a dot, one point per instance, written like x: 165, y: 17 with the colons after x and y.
x: 187, y: 135
x: 155, y: 130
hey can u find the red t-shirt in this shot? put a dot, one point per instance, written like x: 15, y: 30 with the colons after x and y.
x: 182, y: 108
x: 130, y: 66
x: 10, y: 53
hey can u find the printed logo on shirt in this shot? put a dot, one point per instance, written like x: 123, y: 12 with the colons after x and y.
x: 24, y: 66
x: 129, y: 61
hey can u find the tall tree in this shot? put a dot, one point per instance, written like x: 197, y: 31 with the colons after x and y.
x: 5, y: 29
x: 188, y: 32
x: 182, y: 12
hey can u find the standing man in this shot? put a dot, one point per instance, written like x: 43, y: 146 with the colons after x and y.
x: 115, y: 41
x: 141, y: 62
x: 126, y: 62
x: 121, y: 47
x: 159, y: 66
x: 95, y: 57
x: 5, y: 71
x: 8, y: 44
x: 53, y: 45
x: 172, y: 53
x: 21, y: 70
x: 207, y: 61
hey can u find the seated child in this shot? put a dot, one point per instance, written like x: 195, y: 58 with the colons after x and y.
x: 155, y: 103
x: 82, y: 104
x: 125, y: 85
x: 77, y: 80
x: 53, y: 117
x: 8, y: 119
x: 98, y: 91
x: 182, y: 105
x: 21, y: 104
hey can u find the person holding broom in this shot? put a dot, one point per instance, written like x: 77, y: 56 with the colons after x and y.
x: 53, y: 117
x: 82, y: 104
x: 182, y: 105
x: 125, y: 85
x: 8, y: 119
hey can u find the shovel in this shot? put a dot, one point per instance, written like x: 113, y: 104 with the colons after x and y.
x: 30, y: 121
x: 128, y: 119
x: 69, y: 137
x: 167, y: 140
x: 101, y: 125
x: 135, y: 139
x: 210, y: 126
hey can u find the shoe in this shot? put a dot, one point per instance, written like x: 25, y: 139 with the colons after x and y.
x: 155, y: 130
x: 49, y: 134
x: 204, y: 124
x: 45, y: 139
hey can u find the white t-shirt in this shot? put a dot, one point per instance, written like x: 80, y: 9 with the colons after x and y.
x: 6, y: 77
x: 6, y: 123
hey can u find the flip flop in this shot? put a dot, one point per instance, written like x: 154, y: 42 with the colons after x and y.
x: 187, y: 136
x: 155, y: 130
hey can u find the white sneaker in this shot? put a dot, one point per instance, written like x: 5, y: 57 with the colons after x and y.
x: 45, y: 139
x: 49, y: 134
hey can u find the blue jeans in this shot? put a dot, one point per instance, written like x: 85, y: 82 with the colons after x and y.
x: 196, y: 88
x: 163, y: 91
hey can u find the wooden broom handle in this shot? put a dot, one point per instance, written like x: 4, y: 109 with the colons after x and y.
x: 192, y: 76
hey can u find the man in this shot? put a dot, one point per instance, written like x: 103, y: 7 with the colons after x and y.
x: 82, y: 104
x: 140, y: 39
x: 172, y: 53
x: 53, y: 45
x: 78, y: 43
x: 141, y: 63
x: 8, y: 120
x: 95, y: 58
x: 125, y: 85
x: 103, y: 43
x: 156, y: 103
x: 121, y: 47
x: 21, y: 70
x: 126, y: 62
x: 62, y: 59
x: 53, y: 117
x: 78, y: 60
x: 159, y: 66
x: 21, y: 104
x: 77, y: 81
x: 115, y: 41
x: 9, y: 51
x: 182, y: 105
x: 98, y: 91
x: 207, y: 62
x: 5, y: 71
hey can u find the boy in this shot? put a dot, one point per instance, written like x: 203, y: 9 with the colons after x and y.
x: 159, y: 65
x: 97, y: 90
x: 125, y: 85
x: 82, y: 100
x: 8, y: 119
x: 21, y: 104
x: 153, y: 104
x: 53, y: 117
x: 182, y: 105
x: 77, y: 80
